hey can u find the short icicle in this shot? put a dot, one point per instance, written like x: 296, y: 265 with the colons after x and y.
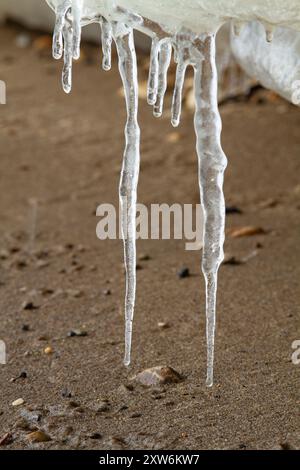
x: 124, y: 39
x: 183, y: 44
x: 212, y: 164
x: 106, y: 39
x: 153, y: 73
x: 165, y: 54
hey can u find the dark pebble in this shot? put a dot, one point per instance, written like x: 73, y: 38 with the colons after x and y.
x: 95, y: 435
x: 6, y: 439
x: 233, y: 210
x: 135, y: 415
x: 107, y: 292
x: 183, y: 273
x: 27, y: 305
x: 78, y: 333
x: 25, y: 327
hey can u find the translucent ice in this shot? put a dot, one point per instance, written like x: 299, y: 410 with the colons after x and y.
x: 188, y: 27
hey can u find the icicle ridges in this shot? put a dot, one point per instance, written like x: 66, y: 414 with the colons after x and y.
x: 130, y: 171
x: 190, y: 49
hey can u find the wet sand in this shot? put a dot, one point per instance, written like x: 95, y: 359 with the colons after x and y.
x: 61, y: 155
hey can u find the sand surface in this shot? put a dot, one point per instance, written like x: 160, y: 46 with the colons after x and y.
x: 64, y: 152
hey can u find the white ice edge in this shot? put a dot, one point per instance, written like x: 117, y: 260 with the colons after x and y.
x: 200, y: 15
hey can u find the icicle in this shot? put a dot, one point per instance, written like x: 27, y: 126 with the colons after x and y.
x: 76, y: 13
x: 67, y: 37
x: 153, y: 73
x: 164, y: 60
x: 106, y: 39
x: 182, y: 55
x: 68, y: 55
x: 212, y: 164
x: 130, y: 171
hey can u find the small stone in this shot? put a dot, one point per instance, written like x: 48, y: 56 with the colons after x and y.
x: 248, y: 231
x: 159, y: 375
x: 163, y: 325
x: 48, y: 350
x: 38, y: 436
x: 25, y: 327
x: 6, y: 439
x: 144, y: 257
x: 95, y: 436
x: 106, y: 292
x: 231, y: 260
x: 183, y: 273
x: 233, y: 210
x: 78, y: 333
x: 135, y: 415
x: 29, y: 305
x: 23, y: 375
x: 18, y: 402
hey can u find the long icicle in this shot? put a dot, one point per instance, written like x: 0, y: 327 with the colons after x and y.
x: 130, y: 171
x: 212, y: 164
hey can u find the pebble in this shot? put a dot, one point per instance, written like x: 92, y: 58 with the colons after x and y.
x: 163, y: 325
x: 18, y: 402
x: 183, y: 273
x: 231, y: 260
x: 29, y: 305
x: 78, y: 333
x: 38, y: 436
x: 106, y: 292
x: 48, y: 350
x: 233, y: 210
x: 23, y: 375
x: 159, y: 375
x: 6, y: 439
x: 247, y: 231
x: 144, y: 257
x: 25, y: 327
x: 135, y: 415
x: 95, y: 436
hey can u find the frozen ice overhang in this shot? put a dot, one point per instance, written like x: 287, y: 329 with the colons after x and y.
x: 198, y: 15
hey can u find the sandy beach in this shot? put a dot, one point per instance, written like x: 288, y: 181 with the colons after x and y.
x: 62, y: 289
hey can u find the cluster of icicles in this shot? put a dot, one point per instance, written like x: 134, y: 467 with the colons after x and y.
x: 189, y: 49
